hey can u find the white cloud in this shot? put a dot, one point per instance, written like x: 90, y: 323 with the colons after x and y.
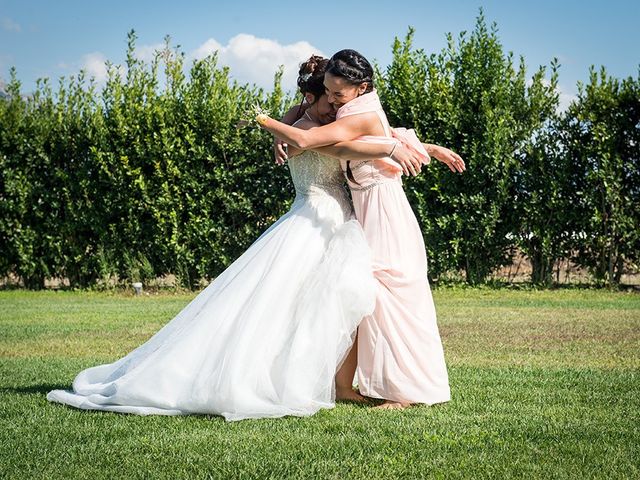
x: 566, y: 98
x: 9, y: 25
x: 95, y: 65
x: 205, y: 49
x: 255, y: 60
x: 147, y: 53
x: 250, y: 59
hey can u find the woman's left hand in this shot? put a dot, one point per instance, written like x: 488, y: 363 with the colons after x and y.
x: 450, y: 158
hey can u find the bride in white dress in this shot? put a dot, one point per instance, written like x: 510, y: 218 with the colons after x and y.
x: 266, y: 337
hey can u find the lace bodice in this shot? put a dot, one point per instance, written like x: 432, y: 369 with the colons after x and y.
x: 315, y: 173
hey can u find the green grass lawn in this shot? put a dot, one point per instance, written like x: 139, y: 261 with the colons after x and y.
x: 545, y: 384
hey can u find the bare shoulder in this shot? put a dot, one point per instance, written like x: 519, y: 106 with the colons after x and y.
x: 359, y: 117
x: 305, y: 124
x: 366, y: 121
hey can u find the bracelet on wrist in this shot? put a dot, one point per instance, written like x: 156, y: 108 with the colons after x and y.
x: 393, y: 150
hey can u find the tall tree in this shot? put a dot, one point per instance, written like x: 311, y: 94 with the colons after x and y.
x: 601, y: 137
x: 473, y: 98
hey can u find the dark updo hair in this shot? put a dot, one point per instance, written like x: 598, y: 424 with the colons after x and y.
x: 353, y: 67
x: 311, y: 76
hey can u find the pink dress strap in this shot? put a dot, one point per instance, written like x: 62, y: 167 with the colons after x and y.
x: 370, y: 102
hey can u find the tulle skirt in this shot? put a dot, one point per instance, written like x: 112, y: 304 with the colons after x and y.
x: 264, y: 339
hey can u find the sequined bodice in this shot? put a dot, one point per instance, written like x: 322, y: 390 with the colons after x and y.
x: 315, y: 173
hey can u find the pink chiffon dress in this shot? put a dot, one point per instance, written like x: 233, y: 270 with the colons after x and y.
x: 400, y: 354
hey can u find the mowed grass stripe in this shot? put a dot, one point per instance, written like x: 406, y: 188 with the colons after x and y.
x: 555, y: 328
x: 545, y: 384
x: 507, y: 422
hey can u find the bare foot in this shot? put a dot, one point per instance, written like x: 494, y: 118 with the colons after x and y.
x: 391, y: 405
x: 350, y: 395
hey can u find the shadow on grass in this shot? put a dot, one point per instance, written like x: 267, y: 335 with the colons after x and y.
x: 361, y: 405
x: 500, y: 284
x: 43, y: 389
x: 31, y: 389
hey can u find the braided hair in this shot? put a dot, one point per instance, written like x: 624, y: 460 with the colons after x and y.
x: 353, y: 67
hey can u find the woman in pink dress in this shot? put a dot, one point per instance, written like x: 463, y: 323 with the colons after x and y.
x: 399, y: 352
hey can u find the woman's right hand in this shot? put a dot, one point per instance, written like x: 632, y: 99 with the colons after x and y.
x: 280, y: 151
x: 291, y: 117
x: 409, y: 161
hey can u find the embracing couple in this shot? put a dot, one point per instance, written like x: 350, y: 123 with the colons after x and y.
x: 335, y: 291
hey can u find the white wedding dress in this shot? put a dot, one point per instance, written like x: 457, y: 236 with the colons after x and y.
x: 266, y: 337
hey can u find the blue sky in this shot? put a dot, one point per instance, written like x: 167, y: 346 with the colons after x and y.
x: 51, y: 39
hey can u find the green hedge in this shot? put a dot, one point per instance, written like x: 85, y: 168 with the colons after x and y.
x: 135, y: 180
x: 151, y: 175
x: 554, y: 185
